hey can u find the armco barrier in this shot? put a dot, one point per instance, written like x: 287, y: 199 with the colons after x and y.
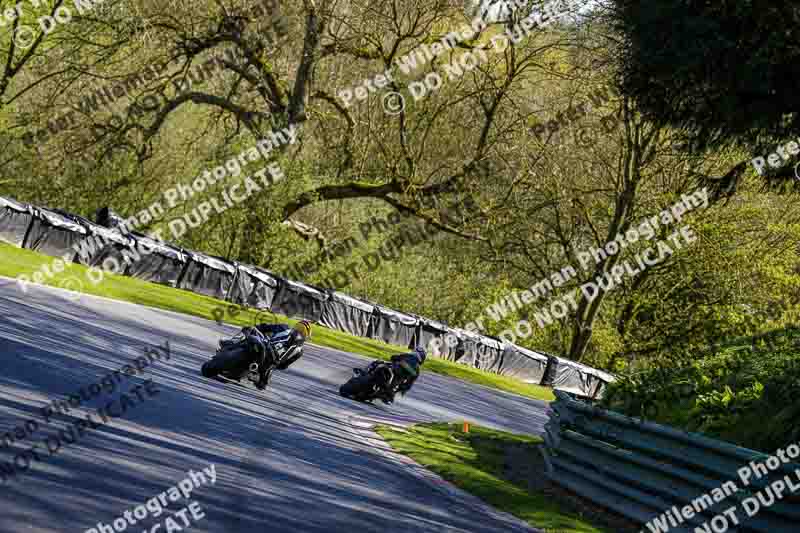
x: 299, y: 300
x: 55, y: 232
x: 646, y: 472
x: 392, y: 327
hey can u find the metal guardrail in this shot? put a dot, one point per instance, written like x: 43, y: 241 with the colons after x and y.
x: 646, y: 471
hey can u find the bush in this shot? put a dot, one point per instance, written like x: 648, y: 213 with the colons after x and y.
x: 724, y: 395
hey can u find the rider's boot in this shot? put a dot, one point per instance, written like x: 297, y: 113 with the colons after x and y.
x: 263, y: 381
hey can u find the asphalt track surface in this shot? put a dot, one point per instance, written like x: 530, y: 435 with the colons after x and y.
x: 294, y: 458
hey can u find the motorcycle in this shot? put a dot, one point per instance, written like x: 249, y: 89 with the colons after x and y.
x: 239, y: 356
x: 370, y: 384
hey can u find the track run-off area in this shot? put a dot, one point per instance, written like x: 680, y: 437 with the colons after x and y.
x: 294, y: 458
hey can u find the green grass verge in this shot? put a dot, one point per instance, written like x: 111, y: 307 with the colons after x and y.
x: 15, y: 261
x: 477, y: 463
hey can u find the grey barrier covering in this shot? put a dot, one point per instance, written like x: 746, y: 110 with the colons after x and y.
x: 253, y: 287
x: 348, y: 314
x: 429, y: 331
x: 392, y: 327
x: 642, y: 470
x: 523, y: 364
x: 472, y: 345
x: 414, y: 342
x: 54, y: 234
x: 296, y: 299
x: 466, y: 351
x: 454, y: 350
x: 463, y: 347
x: 15, y: 219
x: 576, y: 378
x: 136, y: 254
x: 489, y: 354
x: 154, y: 261
x: 101, y: 243
x: 207, y: 275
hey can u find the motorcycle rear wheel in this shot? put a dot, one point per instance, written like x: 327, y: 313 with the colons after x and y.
x: 232, y: 359
x: 359, y: 388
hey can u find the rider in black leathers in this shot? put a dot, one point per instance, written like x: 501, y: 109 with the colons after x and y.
x: 406, y: 370
x: 268, y: 356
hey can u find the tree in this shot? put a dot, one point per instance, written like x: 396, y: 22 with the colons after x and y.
x: 357, y: 152
x: 722, y: 72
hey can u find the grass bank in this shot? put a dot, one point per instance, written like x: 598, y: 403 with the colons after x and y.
x: 15, y: 261
x: 503, y: 469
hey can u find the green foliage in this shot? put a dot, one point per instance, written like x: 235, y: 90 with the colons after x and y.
x: 702, y: 299
x: 481, y: 462
x: 727, y: 395
x: 749, y: 95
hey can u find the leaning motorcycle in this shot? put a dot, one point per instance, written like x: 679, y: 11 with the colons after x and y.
x: 371, y: 384
x: 239, y: 356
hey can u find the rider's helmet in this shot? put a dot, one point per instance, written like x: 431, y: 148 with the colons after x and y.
x: 303, y: 328
x: 421, y: 354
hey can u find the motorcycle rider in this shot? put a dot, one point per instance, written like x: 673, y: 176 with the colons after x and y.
x: 267, y: 355
x: 406, y: 366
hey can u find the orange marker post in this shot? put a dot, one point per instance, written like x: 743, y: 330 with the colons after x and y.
x: 466, y: 427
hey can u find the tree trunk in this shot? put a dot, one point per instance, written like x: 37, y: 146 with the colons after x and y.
x: 587, y: 310
x: 587, y: 313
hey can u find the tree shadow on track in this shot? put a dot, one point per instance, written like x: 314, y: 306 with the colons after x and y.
x: 286, y: 457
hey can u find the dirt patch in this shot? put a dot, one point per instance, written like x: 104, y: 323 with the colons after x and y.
x: 525, y: 467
